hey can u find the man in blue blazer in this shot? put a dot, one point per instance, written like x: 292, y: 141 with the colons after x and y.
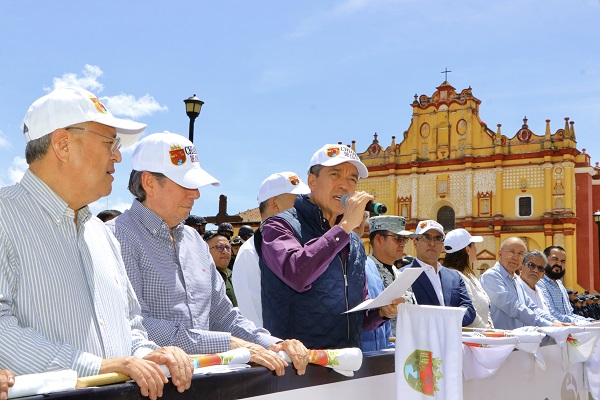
x: 437, y: 285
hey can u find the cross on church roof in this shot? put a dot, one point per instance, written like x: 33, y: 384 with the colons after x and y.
x: 446, y: 74
x: 222, y: 215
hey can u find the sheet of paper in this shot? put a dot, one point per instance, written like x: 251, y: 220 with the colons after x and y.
x: 395, y: 290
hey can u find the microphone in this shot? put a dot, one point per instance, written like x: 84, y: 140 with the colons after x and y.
x: 375, y: 208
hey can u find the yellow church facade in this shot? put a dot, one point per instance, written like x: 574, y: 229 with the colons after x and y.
x: 451, y: 167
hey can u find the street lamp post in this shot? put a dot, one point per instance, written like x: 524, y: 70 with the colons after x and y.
x: 597, y: 221
x: 192, y: 109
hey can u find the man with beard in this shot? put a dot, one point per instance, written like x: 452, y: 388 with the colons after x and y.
x: 553, y: 289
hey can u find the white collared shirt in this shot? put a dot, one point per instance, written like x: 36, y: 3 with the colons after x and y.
x: 434, y: 278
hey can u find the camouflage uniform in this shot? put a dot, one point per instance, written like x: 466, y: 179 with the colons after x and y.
x: 387, y: 279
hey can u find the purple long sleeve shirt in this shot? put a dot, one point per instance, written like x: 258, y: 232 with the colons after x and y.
x: 299, y: 266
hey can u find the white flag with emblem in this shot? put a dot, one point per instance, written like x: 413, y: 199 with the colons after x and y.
x: 429, y: 352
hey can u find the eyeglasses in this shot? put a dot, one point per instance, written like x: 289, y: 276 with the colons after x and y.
x: 428, y: 239
x: 115, y: 141
x: 221, y: 248
x: 539, y: 268
x: 398, y: 238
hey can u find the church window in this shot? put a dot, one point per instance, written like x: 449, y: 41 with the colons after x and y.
x: 524, y: 206
x: 445, y: 217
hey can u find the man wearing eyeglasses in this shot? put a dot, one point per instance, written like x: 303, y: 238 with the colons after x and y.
x: 220, y: 250
x: 510, y: 306
x: 553, y: 289
x: 65, y: 300
x: 437, y: 285
x: 388, y: 239
x: 533, y: 269
x: 170, y: 266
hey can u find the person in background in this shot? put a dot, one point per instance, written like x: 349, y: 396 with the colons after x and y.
x: 531, y: 273
x: 388, y: 239
x: 197, y: 223
x: 236, y: 242
x: 461, y: 253
x: 220, y: 250
x: 378, y: 338
x: 275, y: 194
x: 107, y: 215
x: 245, y: 232
x: 225, y: 229
x: 554, y: 291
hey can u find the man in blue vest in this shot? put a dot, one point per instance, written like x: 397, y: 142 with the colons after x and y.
x: 313, y: 264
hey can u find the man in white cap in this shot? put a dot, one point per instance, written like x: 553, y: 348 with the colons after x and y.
x: 65, y: 300
x: 181, y: 294
x: 437, y: 285
x: 275, y: 194
x: 313, y: 264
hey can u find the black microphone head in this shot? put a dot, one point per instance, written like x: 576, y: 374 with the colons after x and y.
x: 379, y: 208
x: 344, y: 199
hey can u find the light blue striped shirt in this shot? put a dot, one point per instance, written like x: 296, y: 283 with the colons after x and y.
x: 511, y: 308
x: 65, y: 301
x: 181, y: 294
x: 558, y: 301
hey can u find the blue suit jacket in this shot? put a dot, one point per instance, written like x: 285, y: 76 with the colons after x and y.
x: 453, y: 288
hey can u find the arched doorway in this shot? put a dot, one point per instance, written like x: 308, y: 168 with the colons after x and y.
x: 445, y: 217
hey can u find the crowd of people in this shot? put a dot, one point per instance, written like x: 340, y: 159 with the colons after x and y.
x: 127, y: 292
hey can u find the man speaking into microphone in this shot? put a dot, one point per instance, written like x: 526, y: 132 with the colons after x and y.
x: 313, y: 264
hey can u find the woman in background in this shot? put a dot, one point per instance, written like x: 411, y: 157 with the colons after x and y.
x: 461, y: 253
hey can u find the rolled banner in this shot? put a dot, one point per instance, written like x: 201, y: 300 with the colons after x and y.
x: 349, y: 359
x: 46, y: 382
x: 235, y: 356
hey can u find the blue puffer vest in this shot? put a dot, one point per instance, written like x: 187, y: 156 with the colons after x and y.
x: 315, y: 316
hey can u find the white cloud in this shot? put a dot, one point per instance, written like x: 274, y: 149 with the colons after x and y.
x: 127, y: 105
x: 123, y: 104
x: 4, y: 143
x: 17, y: 169
x: 88, y: 79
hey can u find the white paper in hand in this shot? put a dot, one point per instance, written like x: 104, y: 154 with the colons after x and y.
x: 394, y: 291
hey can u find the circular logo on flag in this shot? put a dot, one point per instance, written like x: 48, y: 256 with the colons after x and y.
x: 422, y: 372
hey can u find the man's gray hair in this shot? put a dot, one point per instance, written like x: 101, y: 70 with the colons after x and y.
x: 36, y: 149
x: 315, y: 169
x: 135, y: 183
x: 534, y: 253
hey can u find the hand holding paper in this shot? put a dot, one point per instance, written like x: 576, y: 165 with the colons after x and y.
x: 396, y: 289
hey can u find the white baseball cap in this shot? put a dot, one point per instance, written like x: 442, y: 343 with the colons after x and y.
x: 459, y: 239
x: 280, y: 183
x: 334, y: 154
x: 428, y: 224
x: 174, y: 156
x: 68, y: 106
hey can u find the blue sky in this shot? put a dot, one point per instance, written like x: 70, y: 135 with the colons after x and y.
x: 280, y: 78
